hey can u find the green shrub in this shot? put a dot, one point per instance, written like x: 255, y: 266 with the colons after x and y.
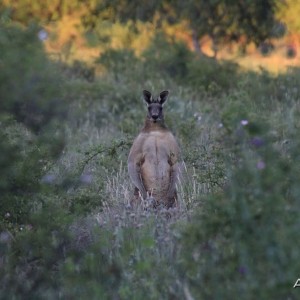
x: 211, y: 75
x: 30, y: 112
x: 243, y: 242
x: 29, y: 83
x: 119, y: 62
x: 78, y: 70
x: 32, y: 258
x: 166, y: 57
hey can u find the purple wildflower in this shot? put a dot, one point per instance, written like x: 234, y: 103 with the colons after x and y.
x: 242, y: 270
x: 244, y: 122
x: 5, y: 237
x: 86, y: 178
x: 42, y: 35
x: 48, y: 179
x: 260, y: 165
x: 257, y: 142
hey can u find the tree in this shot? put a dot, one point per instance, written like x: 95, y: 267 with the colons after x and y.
x: 288, y: 13
x: 122, y: 11
x: 227, y: 20
x: 26, y: 11
x: 221, y: 20
x: 31, y: 116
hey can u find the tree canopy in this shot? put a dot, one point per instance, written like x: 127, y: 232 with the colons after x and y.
x: 221, y: 20
x: 228, y: 20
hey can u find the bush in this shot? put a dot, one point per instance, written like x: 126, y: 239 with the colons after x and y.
x: 30, y: 110
x: 211, y: 75
x: 119, y: 62
x: 240, y: 244
x: 29, y: 84
x: 166, y: 57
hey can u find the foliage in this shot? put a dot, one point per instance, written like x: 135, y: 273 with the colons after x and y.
x: 227, y: 20
x: 241, y: 238
x: 117, y: 10
x: 287, y: 13
x: 117, y: 61
x: 223, y: 21
x: 168, y: 56
x: 67, y: 229
x: 212, y: 75
x: 78, y: 69
x: 26, y: 11
x: 24, y: 88
x: 29, y: 111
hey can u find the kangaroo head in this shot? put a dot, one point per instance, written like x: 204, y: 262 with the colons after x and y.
x: 155, y: 106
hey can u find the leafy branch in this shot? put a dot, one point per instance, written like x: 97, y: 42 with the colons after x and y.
x: 110, y: 150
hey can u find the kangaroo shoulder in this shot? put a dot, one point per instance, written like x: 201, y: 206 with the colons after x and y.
x: 138, y: 145
x: 171, y: 140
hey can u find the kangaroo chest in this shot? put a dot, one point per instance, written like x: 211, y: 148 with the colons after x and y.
x: 156, y: 147
x: 155, y: 163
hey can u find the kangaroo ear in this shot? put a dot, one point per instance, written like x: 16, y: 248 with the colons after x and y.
x: 147, y: 97
x: 163, y: 96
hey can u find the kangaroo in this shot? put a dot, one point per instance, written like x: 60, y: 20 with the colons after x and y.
x: 153, y: 158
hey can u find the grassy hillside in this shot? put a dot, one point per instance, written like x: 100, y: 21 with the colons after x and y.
x: 67, y: 230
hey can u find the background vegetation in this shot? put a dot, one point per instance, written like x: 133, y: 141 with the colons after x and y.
x: 66, y: 227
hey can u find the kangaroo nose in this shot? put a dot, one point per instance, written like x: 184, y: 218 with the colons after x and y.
x: 155, y: 117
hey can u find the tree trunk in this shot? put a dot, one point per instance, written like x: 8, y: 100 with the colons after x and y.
x: 196, y: 44
x: 214, y: 47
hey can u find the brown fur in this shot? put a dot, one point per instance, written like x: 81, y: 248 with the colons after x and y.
x: 153, y: 158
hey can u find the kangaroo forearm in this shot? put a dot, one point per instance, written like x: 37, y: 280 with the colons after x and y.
x: 135, y: 175
x: 173, y: 179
